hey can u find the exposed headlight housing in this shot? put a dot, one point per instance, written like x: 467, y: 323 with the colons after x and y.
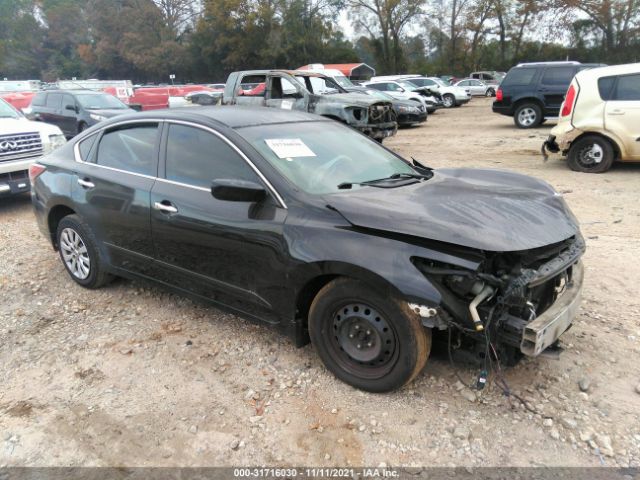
x: 54, y: 141
x: 97, y: 118
x: 405, y: 109
x: 57, y: 141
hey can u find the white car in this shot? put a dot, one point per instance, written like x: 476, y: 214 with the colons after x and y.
x: 476, y: 87
x: 398, y: 89
x: 21, y: 143
x: 451, y: 96
x: 599, y: 121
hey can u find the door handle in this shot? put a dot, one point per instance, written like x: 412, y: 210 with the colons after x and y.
x: 85, y: 183
x: 616, y: 112
x: 165, y: 206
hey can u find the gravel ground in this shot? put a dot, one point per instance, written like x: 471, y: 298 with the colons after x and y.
x: 132, y: 376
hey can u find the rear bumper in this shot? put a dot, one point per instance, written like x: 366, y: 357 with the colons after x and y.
x: 14, y: 183
x: 498, y: 107
x: 550, y: 145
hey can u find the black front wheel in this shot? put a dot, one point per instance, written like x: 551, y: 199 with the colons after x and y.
x: 367, y: 339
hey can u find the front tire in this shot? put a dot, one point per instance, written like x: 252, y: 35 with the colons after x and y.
x: 79, y: 253
x: 367, y: 339
x: 448, y: 100
x: 591, y: 154
x: 528, y: 115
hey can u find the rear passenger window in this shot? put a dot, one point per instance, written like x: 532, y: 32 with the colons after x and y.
x: 558, y: 75
x: 85, y: 148
x: 605, y: 87
x: 54, y: 100
x: 628, y: 88
x: 196, y: 157
x: 520, y: 76
x: 130, y: 148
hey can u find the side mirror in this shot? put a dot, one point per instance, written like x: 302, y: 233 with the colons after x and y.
x: 72, y: 108
x: 232, y: 190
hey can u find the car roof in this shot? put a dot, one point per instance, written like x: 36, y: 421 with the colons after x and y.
x: 75, y: 92
x: 295, y: 73
x: 232, y: 116
x: 605, y: 71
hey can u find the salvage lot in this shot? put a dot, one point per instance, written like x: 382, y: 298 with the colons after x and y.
x: 131, y: 375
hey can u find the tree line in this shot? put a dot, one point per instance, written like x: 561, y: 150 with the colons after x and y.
x: 204, y: 40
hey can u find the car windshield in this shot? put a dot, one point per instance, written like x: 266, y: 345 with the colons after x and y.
x: 408, y: 85
x: 343, y: 81
x: 99, y: 101
x: 7, y: 111
x: 302, y: 154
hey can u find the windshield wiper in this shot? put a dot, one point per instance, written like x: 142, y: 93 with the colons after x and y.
x: 377, y: 181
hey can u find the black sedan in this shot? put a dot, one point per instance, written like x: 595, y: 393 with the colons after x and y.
x: 306, y: 224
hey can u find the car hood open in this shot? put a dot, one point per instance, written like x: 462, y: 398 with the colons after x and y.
x: 489, y: 210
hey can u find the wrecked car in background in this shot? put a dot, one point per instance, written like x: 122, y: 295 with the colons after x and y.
x: 313, y: 93
x: 307, y: 225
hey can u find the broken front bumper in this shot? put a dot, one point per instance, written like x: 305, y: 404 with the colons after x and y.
x: 379, y: 130
x: 543, y: 332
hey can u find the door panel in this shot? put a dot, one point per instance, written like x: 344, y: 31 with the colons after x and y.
x: 112, y: 193
x: 553, y: 87
x: 623, y: 118
x: 68, y: 117
x: 228, y: 252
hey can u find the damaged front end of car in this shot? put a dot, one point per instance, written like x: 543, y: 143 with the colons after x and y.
x: 523, y: 300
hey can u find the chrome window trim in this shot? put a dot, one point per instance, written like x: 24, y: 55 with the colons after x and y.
x: 236, y: 149
x: 173, y: 182
x: 76, y: 146
x: 76, y: 152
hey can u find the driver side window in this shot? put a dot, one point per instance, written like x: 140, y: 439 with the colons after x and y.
x: 196, y: 157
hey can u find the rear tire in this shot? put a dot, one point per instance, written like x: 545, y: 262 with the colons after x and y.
x: 79, y: 253
x: 367, y: 339
x: 528, y: 115
x: 490, y: 92
x: 591, y: 154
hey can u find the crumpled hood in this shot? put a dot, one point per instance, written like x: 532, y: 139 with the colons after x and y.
x: 350, y: 98
x: 489, y: 210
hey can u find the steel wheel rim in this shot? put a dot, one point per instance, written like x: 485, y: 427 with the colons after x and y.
x: 364, y: 342
x: 591, y: 155
x: 75, y: 254
x: 489, y: 93
x: 527, y: 116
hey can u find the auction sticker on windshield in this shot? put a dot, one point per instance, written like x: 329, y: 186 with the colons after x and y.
x: 289, y: 147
